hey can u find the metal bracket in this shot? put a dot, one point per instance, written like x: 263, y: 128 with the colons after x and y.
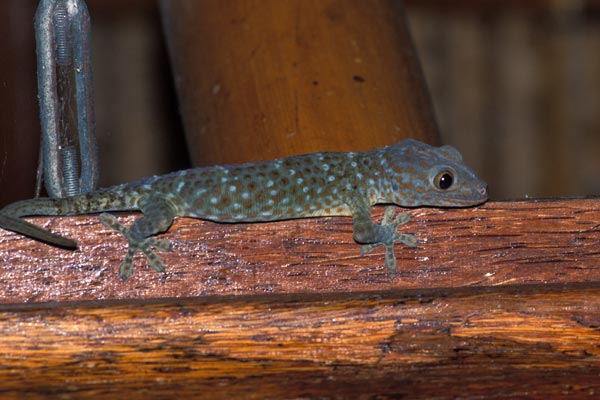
x: 62, y: 29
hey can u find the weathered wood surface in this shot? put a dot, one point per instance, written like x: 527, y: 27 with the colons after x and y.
x: 499, y: 301
x: 501, y: 243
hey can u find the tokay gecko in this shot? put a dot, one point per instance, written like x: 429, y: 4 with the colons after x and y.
x: 407, y: 174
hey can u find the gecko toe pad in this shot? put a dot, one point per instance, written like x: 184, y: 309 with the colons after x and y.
x: 392, y: 224
x: 144, y: 246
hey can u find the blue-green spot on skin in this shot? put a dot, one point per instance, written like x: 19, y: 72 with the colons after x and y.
x: 408, y: 174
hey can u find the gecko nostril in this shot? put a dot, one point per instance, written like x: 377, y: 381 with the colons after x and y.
x: 483, y: 190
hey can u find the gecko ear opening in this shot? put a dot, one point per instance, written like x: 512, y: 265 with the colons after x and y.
x: 451, y: 153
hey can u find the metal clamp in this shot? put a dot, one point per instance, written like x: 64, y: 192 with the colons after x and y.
x: 62, y: 29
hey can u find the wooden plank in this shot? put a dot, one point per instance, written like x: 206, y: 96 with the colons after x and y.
x: 532, y: 341
x: 500, y: 243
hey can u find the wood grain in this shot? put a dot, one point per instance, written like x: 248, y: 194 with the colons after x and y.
x: 499, y: 301
x: 501, y: 243
x: 494, y: 342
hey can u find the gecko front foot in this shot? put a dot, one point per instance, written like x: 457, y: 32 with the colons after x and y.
x: 392, y: 224
x: 144, y: 245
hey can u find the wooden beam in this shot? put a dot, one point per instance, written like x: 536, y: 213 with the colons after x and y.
x: 493, y: 342
x: 525, y: 242
x: 499, y: 300
x: 500, y: 243
x: 268, y: 79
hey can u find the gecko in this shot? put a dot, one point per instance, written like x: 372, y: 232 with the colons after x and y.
x: 408, y: 174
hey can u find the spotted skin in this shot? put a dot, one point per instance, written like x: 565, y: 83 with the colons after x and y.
x: 408, y: 174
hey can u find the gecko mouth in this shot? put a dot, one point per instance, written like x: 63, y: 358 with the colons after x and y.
x: 477, y: 194
x: 478, y: 197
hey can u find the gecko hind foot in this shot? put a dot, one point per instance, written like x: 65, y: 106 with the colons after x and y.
x: 144, y: 246
x: 404, y: 238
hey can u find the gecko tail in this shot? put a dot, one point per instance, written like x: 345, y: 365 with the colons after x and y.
x: 35, y: 232
x: 10, y: 216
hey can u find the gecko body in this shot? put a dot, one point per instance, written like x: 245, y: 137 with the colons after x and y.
x: 408, y: 174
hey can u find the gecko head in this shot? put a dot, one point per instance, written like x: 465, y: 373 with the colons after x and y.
x: 423, y: 175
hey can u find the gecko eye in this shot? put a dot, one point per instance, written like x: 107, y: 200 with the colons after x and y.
x: 444, y: 180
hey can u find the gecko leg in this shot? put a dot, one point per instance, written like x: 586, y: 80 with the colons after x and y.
x: 158, y: 217
x: 384, y: 234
